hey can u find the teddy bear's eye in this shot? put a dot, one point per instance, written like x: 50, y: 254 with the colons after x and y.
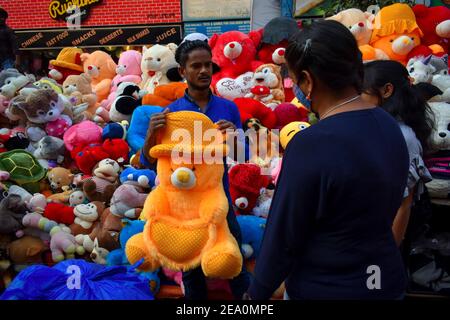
x: 349, y: 27
x: 53, y: 104
x: 411, y: 70
x: 41, y: 113
x: 159, y: 59
x: 392, y: 40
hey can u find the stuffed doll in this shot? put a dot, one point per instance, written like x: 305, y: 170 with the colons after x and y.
x: 435, y: 25
x: 235, y: 54
x: 12, y: 211
x: 102, y: 185
x: 165, y: 94
x: 128, y: 201
x: 252, y: 234
x: 128, y: 70
x: 15, y: 83
x: 81, y: 135
x: 48, y: 83
x: 85, y: 216
x: 269, y: 76
x: 116, y: 130
x: 252, y: 109
x: 273, y: 39
x: 395, y: 32
x: 129, y: 228
x: 358, y: 22
x: 63, y: 244
x: 59, y: 178
x: 26, y: 251
x: 233, y: 88
x: 246, y: 182
x: 158, y: 66
x: 286, y: 113
x: 126, y: 100
x: 144, y: 178
x: 47, y: 113
x: 87, y: 158
x: 139, y: 126
x: 50, y: 148
x: 59, y: 213
x: 263, y: 203
x: 420, y: 69
x: 117, y: 149
x: 102, y: 69
x: 79, y: 87
x: 186, y: 213
x: 67, y: 63
x: 103, y: 238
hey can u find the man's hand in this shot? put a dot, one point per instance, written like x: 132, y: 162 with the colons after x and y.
x: 158, y: 121
x: 225, y: 125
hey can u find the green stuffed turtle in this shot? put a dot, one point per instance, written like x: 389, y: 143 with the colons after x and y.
x: 24, y: 169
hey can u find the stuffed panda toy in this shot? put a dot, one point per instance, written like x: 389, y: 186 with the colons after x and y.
x: 128, y: 98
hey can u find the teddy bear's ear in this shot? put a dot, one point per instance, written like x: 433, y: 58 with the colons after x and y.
x: 369, y: 16
x: 78, y: 58
x: 84, y: 56
x: 111, y: 64
x: 213, y: 40
x: 173, y: 47
x: 337, y: 17
x: 256, y: 36
x: 144, y: 49
x: 51, y: 94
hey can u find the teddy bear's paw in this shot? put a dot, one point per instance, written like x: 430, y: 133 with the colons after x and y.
x: 135, y: 250
x: 222, y: 264
x: 70, y: 249
x: 80, y: 250
x: 58, y: 258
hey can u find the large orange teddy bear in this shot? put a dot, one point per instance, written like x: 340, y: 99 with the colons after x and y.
x: 186, y: 213
x: 102, y: 69
x: 395, y: 32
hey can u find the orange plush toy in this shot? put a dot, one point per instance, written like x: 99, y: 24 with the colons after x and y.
x: 165, y: 94
x: 395, y: 32
x: 102, y: 69
x: 186, y: 213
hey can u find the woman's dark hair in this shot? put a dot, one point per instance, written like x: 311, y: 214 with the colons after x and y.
x: 183, y: 51
x: 329, y: 51
x: 406, y: 104
x: 3, y: 13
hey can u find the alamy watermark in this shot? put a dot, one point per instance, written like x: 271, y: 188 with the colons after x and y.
x: 207, y: 146
x: 74, y: 280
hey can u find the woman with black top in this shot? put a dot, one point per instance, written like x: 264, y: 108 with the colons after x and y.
x: 329, y: 231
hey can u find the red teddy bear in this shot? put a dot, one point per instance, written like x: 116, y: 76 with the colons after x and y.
x: 435, y: 25
x: 235, y: 53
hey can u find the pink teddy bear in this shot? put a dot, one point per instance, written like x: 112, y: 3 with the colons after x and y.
x: 128, y: 70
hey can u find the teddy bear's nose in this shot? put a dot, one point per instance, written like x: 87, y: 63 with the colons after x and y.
x: 241, y: 202
x: 361, y: 24
x: 281, y: 52
x: 90, y: 68
x: 93, y: 256
x: 232, y: 45
x: 183, y: 178
x: 442, y: 134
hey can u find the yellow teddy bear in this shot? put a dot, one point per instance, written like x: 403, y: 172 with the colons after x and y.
x: 186, y: 213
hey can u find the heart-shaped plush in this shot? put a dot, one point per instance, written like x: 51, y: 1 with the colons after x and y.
x: 231, y: 89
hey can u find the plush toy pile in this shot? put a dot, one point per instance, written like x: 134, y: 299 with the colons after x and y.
x: 72, y: 186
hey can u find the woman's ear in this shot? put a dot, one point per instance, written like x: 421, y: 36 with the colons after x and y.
x: 387, y: 90
x: 306, y: 82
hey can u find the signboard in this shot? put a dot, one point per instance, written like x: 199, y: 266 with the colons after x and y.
x: 211, y: 27
x: 98, y: 37
x: 62, y: 9
x: 201, y: 10
x: 311, y: 8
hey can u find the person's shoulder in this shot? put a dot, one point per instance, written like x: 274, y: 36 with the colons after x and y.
x: 177, y: 105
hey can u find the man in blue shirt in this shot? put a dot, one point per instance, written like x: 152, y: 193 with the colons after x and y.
x: 196, y: 66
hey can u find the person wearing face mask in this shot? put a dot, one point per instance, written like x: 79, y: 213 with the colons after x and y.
x: 329, y: 231
x: 9, y: 56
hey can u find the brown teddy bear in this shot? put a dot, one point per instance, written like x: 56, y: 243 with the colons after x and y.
x: 60, y: 179
x: 80, y: 88
x: 104, y: 182
x: 26, y: 251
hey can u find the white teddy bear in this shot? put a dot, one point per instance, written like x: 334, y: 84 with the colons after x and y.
x: 157, y: 61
